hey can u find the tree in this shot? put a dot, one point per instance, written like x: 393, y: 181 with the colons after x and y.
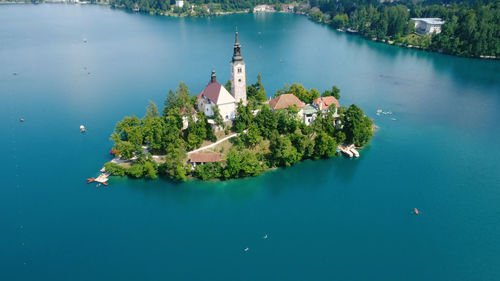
x: 218, y: 120
x: 228, y: 86
x: 253, y: 137
x: 208, y: 171
x: 267, y: 121
x: 335, y: 92
x: 178, y: 99
x: 283, y: 153
x: 324, y: 146
x: 151, y: 110
x: 243, y: 118
x: 357, y: 126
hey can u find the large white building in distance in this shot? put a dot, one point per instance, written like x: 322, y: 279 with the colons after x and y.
x: 215, y: 94
x: 179, y: 3
x: 428, y: 25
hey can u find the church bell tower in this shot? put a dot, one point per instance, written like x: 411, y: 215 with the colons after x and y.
x: 238, y: 76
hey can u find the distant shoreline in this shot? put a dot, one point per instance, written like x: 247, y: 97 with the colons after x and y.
x: 223, y: 13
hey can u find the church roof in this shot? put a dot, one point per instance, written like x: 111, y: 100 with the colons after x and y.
x: 284, y: 101
x: 211, y: 91
x: 216, y: 93
x: 327, y: 102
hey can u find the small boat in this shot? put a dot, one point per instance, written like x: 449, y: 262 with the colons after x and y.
x: 82, y: 128
x: 21, y: 119
x: 265, y: 236
x: 84, y: 40
x: 90, y: 180
x: 415, y: 211
x: 246, y: 249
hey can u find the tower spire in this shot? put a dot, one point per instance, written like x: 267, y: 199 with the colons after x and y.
x: 213, y: 78
x: 237, y: 48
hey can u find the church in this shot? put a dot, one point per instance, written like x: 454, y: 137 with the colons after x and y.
x: 215, y: 94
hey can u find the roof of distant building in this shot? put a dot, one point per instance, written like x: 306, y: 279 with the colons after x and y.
x: 204, y: 157
x: 327, y: 102
x: 284, y: 101
x: 308, y: 109
x: 429, y: 20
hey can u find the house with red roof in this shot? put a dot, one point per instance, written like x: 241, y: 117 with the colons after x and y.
x: 284, y: 101
x: 202, y: 158
x: 327, y: 104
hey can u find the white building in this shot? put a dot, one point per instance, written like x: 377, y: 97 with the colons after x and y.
x: 428, y: 25
x: 264, y: 8
x: 179, y: 3
x: 238, y: 74
x: 215, y: 94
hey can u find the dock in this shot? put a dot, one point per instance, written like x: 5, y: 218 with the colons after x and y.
x: 349, y: 150
x: 102, y: 178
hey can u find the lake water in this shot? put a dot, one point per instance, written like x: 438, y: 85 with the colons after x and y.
x: 336, y: 219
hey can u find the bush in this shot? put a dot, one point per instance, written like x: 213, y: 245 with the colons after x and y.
x: 136, y: 171
x: 115, y: 169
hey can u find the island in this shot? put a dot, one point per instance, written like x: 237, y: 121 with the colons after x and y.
x: 234, y: 131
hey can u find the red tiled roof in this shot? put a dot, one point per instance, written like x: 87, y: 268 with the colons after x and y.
x: 204, y: 157
x: 212, y: 91
x: 284, y: 101
x: 327, y: 102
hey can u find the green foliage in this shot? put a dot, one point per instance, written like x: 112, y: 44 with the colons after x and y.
x: 178, y: 99
x: 335, y: 92
x: 115, y: 169
x: 267, y: 121
x: 208, y: 171
x: 243, y: 118
x: 324, y: 146
x: 470, y: 29
x: 340, y: 20
x: 253, y: 137
x: 283, y: 153
x: 290, y: 140
x: 173, y: 167
x: 150, y: 170
x: 136, y: 170
x: 256, y: 91
x: 357, y: 126
x: 228, y: 86
x: 151, y: 110
x: 242, y: 164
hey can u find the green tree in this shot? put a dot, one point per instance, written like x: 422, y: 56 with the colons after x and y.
x: 357, y: 126
x: 324, y: 146
x: 151, y: 110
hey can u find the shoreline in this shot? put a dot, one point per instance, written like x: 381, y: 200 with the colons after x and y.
x: 223, y: 13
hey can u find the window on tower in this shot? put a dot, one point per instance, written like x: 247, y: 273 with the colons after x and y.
x: 239, y: 80
x: 239, y: 70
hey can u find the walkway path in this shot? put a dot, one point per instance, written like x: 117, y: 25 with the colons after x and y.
x: 214, y: 144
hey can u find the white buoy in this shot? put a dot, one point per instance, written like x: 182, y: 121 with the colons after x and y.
x: 246, y: 249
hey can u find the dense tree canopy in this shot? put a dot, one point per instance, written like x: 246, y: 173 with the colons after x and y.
x: 268, y: 138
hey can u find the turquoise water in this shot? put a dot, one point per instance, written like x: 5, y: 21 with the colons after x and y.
x: 334, y: 219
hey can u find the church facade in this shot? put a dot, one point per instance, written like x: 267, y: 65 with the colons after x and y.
x: 215, y: 94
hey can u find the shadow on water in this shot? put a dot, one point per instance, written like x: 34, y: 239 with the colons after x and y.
x: 314, y: 175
